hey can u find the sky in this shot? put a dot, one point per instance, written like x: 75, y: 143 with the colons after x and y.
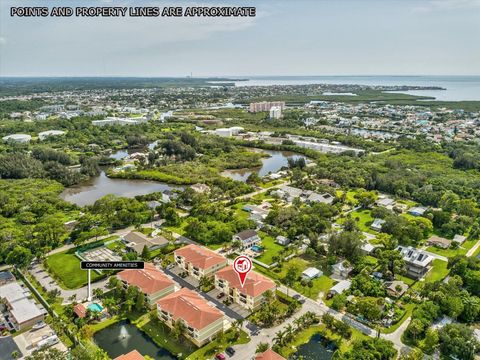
x: 287, y: 37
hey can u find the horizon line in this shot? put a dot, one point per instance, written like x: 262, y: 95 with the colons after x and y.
x: 225, y: 76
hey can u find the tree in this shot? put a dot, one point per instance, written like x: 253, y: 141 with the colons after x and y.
x: 178, y: 329
x: 366, y: 198
x: 46, y: 354
x: 291, y: 276
x: 371, y: 349
x: 145, y: 253
x: 458, y: 341
x: 431, y: 341
x: 19, y: 256
x: 262, y: 347
x: 140, y: 302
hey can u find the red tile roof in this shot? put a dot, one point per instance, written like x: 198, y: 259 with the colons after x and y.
x: 255, y: 284
x: 132, y: 355
x: 199, y: 256
x: 80, y: 311
x: 149, y: 280
x: 269, y: 355
x: 187, y: 305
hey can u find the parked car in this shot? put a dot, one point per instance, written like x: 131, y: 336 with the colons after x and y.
x: 221, y: 295
x: 230, y: 351
x: 220, y: 356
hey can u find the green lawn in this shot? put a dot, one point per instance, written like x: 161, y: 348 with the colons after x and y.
x: 65, y: 267
x: 179, y: 229
x: 271, y: 248
x: 364, y: 217
x: 219, y: 345
x: 162, y: 336
x: 405, y: 279
x: 350, y: 196
x: 438, y: 271
x: 321, y: 284
x: 461, y: 250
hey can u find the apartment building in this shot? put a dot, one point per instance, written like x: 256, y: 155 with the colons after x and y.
x: 202, y: 320
x: 266, y: 106
x: 150, y: 281
x: 249, y: 296
x: 198, y: 261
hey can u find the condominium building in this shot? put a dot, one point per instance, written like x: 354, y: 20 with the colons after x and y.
x: 150, y: 281
x: 266, y: 106
x: 202, y: 320
x: 275, y: 112
x: 198, y: 261
x: 251, y: 295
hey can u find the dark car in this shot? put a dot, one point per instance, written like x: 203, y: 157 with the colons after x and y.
x: 221, y: 295
x: 230, y: 351
x: 220, y: 357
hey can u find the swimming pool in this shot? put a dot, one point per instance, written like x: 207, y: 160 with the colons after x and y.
x: 95, y: 307
x: 257, y: 248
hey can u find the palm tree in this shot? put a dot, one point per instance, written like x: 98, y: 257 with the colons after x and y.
x: 289, y: 331
x: 279, y: 337
x: 299, y: 322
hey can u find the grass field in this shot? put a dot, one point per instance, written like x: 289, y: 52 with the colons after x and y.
x: 218, y: 346
x: 271, y: 249
x: 65, y: 267
x: 438, y: 272
x: 461, y: 250
x: 321, y: 284
x: 364, y: 221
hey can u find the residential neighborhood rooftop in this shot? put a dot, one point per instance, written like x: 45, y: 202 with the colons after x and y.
x: 189, y: 306
x: 149, y: 280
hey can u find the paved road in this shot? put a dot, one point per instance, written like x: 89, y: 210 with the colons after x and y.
x: 473, y: 249
x: 183, y: 283
x: 247, y: 351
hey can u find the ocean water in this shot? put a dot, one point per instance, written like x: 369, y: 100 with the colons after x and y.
x: 458, y: 88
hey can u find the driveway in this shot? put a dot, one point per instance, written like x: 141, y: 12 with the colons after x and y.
x: 219, y: 304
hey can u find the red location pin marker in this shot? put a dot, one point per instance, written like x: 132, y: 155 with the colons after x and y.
x: 242, y: 266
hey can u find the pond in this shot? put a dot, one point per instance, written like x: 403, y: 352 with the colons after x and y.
x: 88, y: 192
x: 122, y: 337
x: 272, y: 164
x: 317, y: 348
x: 123, y: 153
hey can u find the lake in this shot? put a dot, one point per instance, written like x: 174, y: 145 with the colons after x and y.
x: 458, y: 88
x: 272, y: 164
x: 88, y: 192
x: 315, y: 349
x: 122, y: 337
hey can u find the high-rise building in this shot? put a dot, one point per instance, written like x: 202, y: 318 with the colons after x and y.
x: 275, y: 112
x: 266, y: 106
